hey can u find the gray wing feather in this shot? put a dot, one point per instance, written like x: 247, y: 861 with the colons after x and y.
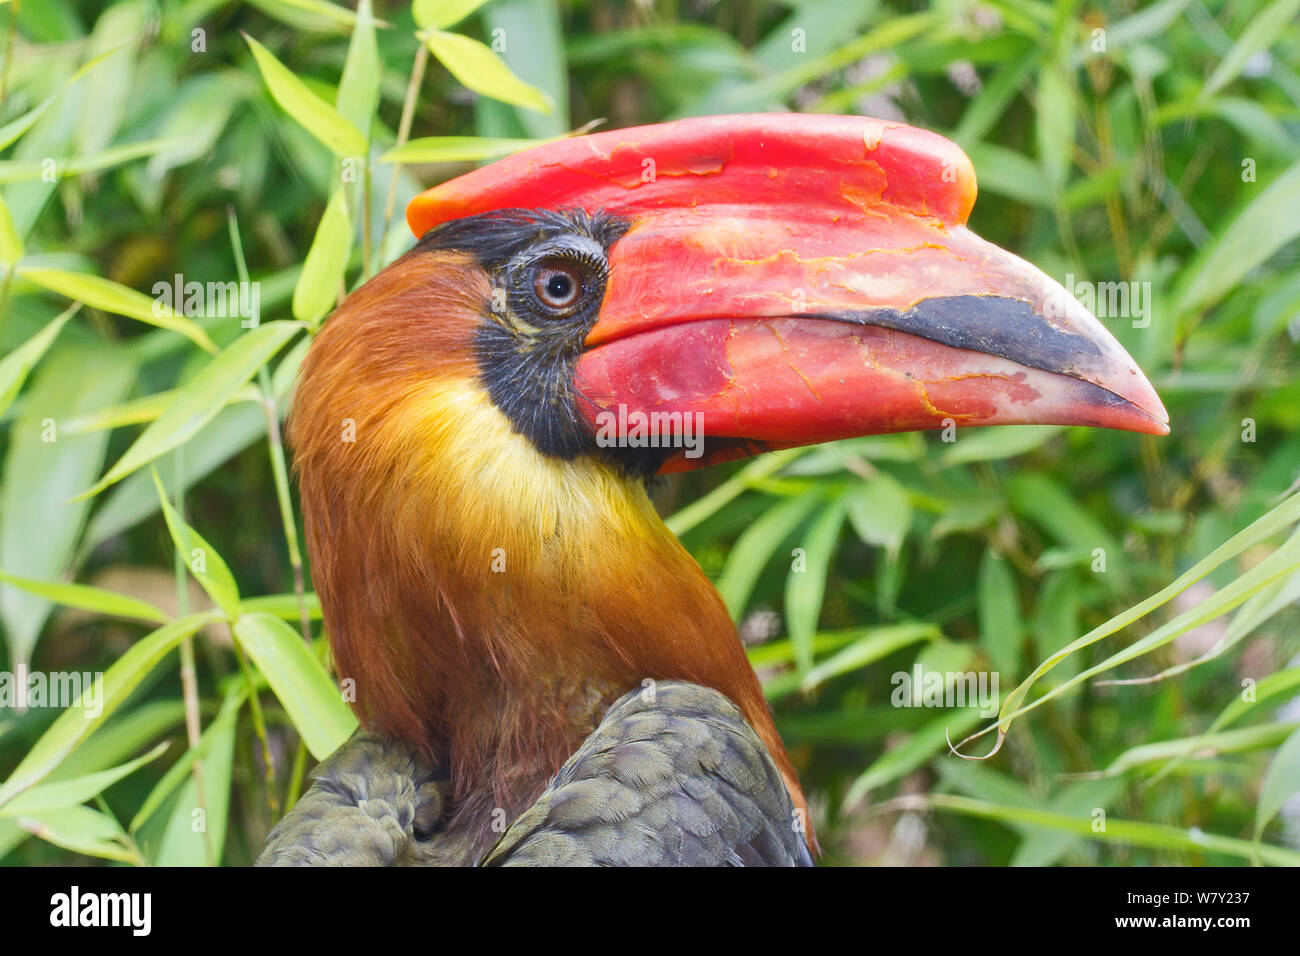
x: 673, y: 777
x: 676, y: 777
x: 369, y: 804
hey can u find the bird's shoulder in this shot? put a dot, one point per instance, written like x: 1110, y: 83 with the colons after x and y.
x: 369, y: 804
x: 673, y: 775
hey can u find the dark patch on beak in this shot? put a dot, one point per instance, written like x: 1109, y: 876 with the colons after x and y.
x: 993, y: 324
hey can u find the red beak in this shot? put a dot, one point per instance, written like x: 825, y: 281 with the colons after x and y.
x: 792, y: 279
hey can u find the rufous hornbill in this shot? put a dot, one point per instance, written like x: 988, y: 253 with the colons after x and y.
x: 544, y: 674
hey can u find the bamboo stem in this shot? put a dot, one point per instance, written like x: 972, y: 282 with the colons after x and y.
x: 189, y: 674
x: 275, y: 448
x: 259, y: 728
x: 298, y: 774
x: 404, y: 129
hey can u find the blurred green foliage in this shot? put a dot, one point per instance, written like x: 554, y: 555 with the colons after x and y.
x: 280, y: 139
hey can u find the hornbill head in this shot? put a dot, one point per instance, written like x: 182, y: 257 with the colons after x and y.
x: 473, y: 424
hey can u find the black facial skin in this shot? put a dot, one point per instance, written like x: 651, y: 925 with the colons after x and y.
x: 526, y: 348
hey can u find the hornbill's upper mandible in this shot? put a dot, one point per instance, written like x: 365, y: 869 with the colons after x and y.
x: 546, y: 675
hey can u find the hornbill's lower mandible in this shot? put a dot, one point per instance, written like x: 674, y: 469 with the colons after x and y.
x: 545, y: 674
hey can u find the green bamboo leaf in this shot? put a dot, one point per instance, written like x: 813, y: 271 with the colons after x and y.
x: 541, y: 61
x: 140, y: 411
x: 931, y: 739
x: 310, y: 111
x: 283, y: 606
x: 323, y: 271
x: 11, y: 244
x: 1001, y: 629
x: 196, y: 117
x: 779, y: 653
x: 117, y: 155
x: 11, y: 835
x: 116, y: 741
x: 81, y: 830
x: 120, y: 737
x: 1055, y: 124
x: 1280, y: 682
x: 69, y: 793
x: 98, y: 702
x: 966, y: 516
x: 1276, y: 566
x: 771, y: 89
x: 943, y: 659
x: 1251, y: 119
x: 1038, y: 846
x: 754, y: 548
x: 1260, y: 530
x: 456, y: 149
x: 109, y: 296
x: 89, y: 599
x: 880, y: 512
x: 806, y: 585
x: 477, y: 67
x: 989, y: 105
x: 979, y: 780
x: 1269, y: 222
x: 285, y: 376
x: 1266, y: 27
x: 1047, y: 504
x: 17, y: 171
x: 1056, y: 619
x: 876, y: 643
x: 203, y: 560
x: 179, y: 842
x: 201, y: 398
x: 182, y: 768
x: 440, y: 14
x: 234, y: 429
x: 1281, y: 783
x: 313, y: 702
x: 358, y: 95
x: 1153, y: 835
x: 1146, y: 22
x: 1199, y: 746
x: 704, y: 508
x: 1041, y: 847
x: 15, y: 366
x: 854, y: 728
x: 1269, y: 601
x: 40, y: 527
x: 330, y: 11
x: 118, y: 29
x: 851, y: 452
x: 15, y: 128
x: 995, y: 444
x: 1005, y: 172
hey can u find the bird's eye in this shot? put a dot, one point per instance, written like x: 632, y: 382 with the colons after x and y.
x: 557, y: 285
